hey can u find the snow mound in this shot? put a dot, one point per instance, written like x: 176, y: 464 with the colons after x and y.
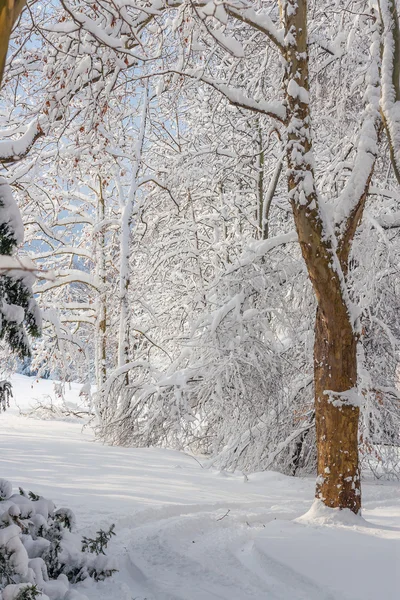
x: 319, y: 514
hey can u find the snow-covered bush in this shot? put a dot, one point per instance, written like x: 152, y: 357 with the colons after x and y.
x: 40, y: 556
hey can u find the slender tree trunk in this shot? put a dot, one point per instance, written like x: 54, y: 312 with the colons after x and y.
x: 125, y: 244
x: 260, y: 185
x: 101, y: 342
x: 269, y: 196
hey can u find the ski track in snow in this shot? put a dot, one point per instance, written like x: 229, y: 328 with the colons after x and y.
x: 186, y: 533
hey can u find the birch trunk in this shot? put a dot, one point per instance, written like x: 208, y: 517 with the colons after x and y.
x: 125, y: 246
x: 101, y: 341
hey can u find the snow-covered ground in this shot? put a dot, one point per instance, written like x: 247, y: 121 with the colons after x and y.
x: 188, y: 533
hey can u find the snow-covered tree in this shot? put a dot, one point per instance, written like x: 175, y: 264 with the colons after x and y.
x: 218, y: 44
x: 19, y: 314
x: 242, y: 164
x: 41, y: 555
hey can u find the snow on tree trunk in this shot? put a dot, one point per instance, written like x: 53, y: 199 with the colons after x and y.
x: 335, y: 357
x: 390, y: 101
x: 125, y: 247
x: 101, y: 275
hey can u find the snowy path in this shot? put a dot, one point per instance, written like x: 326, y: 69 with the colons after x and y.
x: 176, y: 539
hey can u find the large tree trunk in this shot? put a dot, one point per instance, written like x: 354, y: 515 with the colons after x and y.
x: 335, y: 370
x: 336, y: 418
x: 326, y: 258
x: 9, y: 13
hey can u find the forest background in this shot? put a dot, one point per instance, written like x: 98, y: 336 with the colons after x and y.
x: 215, y: 187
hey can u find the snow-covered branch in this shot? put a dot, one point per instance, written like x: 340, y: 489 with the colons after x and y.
x: 261, y: 21
x: 236, y: 96
x: 19, y: 266
x: 390, y: 100
x: 67, y: 277
x: 351, y: 202
x: 15, y: 150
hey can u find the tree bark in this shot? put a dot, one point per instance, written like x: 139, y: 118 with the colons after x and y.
x: 335, y: 362
x: 9, y: 13
x: 125, y: 243
x: 336, y: 419
x: 101, y: 341
x: 391, y: 78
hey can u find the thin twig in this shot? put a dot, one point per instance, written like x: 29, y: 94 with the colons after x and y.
x: 225, y: 515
